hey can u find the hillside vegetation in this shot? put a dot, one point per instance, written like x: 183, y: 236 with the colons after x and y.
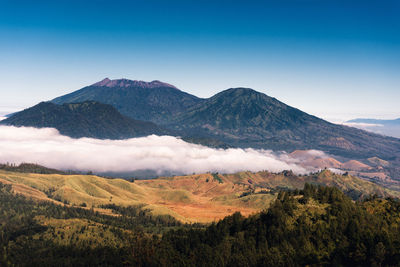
x: 193, y: 198
x: 317, y: 226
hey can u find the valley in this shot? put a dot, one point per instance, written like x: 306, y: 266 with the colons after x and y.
x: 194, y: 198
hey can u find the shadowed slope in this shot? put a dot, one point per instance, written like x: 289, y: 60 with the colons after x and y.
x: 247, y: 118
x: 150, y: 101
x: 87, y: 119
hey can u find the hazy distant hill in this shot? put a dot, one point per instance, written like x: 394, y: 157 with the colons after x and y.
x: 87, y: 119
x: 386, y: 127
x: 150, y: 101
x: 376, y: 121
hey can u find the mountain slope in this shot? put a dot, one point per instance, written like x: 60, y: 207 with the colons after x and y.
x: 87, y: 119
x: 247, y: 118
x: 150, y: 101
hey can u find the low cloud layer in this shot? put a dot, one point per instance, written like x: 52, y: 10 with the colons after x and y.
x: 159, y: 153
x: 362, y: 125
x: 387, y: 129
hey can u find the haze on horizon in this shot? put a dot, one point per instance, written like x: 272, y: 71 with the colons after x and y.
x: 335, y: 59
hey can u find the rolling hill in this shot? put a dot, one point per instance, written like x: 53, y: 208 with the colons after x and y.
x: 87, y: 119
x: 191, y: 198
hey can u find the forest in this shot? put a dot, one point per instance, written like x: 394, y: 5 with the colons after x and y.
x: 318, y: 226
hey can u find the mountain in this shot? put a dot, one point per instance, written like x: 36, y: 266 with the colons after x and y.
x: 239, y: 117
x: 246, y: 118
x: 386, y: 127
x: 87, y: 119
x: 150, y: 101
x: 376, y: 121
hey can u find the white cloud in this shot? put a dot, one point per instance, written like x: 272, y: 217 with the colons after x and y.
x: 2, y: 118
x: 362, y: 125
x: 160, y: 153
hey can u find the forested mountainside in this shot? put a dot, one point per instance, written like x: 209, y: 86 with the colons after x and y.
x: 313, y: 226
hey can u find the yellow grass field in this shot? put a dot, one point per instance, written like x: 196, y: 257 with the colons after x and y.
x: 193, y: 198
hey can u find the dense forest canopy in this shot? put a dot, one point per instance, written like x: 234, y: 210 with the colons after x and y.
x: 314, y: 226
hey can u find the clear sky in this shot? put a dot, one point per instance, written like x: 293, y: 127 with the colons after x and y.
x: 334, y: 59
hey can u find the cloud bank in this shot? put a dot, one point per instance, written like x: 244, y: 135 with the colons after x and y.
x: 362, y: 125
x: 385, y: 129
x: 159, y: 153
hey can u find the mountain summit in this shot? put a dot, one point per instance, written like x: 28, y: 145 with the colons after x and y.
x: 154, y: 101
x: 244, y: 117
x: 121, y: 83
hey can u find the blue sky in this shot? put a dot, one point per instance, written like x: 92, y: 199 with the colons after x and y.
x: 334, y: 59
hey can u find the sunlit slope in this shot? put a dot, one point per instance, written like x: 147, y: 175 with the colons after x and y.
x: 192, y: 198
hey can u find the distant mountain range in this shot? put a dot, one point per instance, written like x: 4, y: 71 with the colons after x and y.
x: 376, y: 121
x: 238, y: 117
x: 86, y: 119
x: 385, y: 127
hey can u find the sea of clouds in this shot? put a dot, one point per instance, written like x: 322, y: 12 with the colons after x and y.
x: 158, y: 153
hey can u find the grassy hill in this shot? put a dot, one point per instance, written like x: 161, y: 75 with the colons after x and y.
x: 315, y: 226
x: 193, y: 198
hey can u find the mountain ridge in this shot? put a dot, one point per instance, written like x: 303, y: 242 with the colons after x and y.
x: 376, y: 121
x: 246, y: 118
x: 149, y: 101
x: 86, y: 119
x: 128, y: 83
x: 238, y: 117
